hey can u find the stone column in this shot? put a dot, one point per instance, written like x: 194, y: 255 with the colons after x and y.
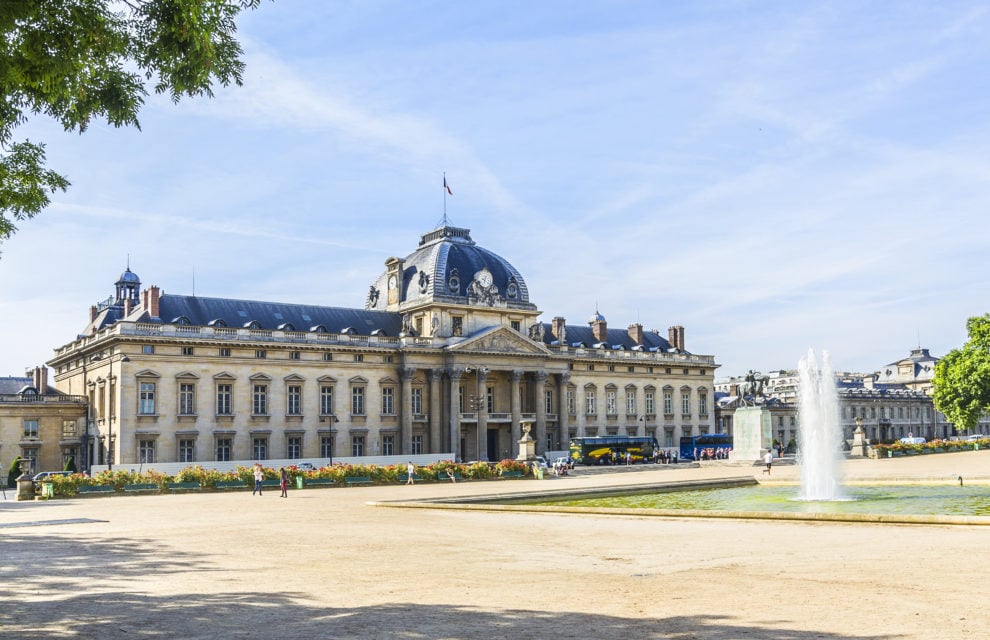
x: 454, y: 409
x: 541, y: 411
x: 514, y: 377
x: 405, y: 376
x: 562, y: 415
x: 482, y: 413
x: 436, y: 442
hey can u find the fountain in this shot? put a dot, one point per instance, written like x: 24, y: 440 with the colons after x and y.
x: 819, y: 444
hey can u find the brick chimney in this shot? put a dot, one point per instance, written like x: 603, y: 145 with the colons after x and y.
x: 676, y: 337
x: 127, y: 307
x: 599, y: 328
x: 636, y: 333
x: 93, y: 313
x: 153, y: 297
x: 558, y: 326
x: 39, y: 378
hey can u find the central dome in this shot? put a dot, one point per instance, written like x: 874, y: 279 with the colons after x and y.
x: 448, y: 266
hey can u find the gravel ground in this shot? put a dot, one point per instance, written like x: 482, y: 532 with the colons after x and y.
x: 324, y: 564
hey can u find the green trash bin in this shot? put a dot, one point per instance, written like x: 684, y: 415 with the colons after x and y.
x: 298, y: 482
x: 47, y: 490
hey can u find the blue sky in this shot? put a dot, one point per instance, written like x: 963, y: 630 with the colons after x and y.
x: 773, y: 176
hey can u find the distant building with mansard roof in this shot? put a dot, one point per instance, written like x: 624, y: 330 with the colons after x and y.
x: 447, y: 355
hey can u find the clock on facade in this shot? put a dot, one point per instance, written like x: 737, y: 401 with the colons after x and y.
x: 484, y: 278
x: 391, y: 282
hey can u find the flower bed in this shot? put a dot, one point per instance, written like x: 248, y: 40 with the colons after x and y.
x: 935, y: 446
x: 66, y: 486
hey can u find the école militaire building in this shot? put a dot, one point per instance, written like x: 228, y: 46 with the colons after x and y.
x: 447, y: 355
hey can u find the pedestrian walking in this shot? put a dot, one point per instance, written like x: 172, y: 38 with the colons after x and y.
x: 410, y: 472
x: 283, y: 481
x: 259, y: 475
x: 768, y: 460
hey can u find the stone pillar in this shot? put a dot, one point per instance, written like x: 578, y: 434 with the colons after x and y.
x: 405, y: 377
x: 454, y: 409
x: 436, y: 441
x: 562, y: 415
x: 541, y: 411
x: 482, y: 413
x: 514, y: 377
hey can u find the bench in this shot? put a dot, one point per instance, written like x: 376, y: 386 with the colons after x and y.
x: 318, y: 482
x: 357, y: 480
x: 141, y: 486
x: 404, y: 477
x: 230, y: 484
x: 512, y: 474
x: 184, y: 486
x: 270, y: 484
x: 442, y: 475
x: 96, y: 488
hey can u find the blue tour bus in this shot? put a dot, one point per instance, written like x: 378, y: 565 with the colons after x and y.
x: 707, y: 445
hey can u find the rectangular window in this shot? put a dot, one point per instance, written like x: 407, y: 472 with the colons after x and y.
x: 515, y: 325
x: 293, y: 400
x: 668, y: 403
x: 187, y: 399
x: 146, y: 451
x: 388, y: 402
x: 630, y: 403
x: 611, y: 368
x: 147, y: 349
x: 650, y: 404
x: 224, y: 352
x: 387, y: 359
x: 68, y: 428
x: 260, y: 448
x: 326, y: 400
x: 223, y: 449
x: 548, y: 401
x: 417, y: 445
x: 571, y: 408
x: 357, y: 446
x: 417, y: 401
x: 649, y: 369
x: 30, y: 428
x: 591, y: 367
x: 327, y: 356
x: 610, y: 408
x: 456, y: 326
x: 460, y: 399
x: 225, y: 394
x: 326, y: 446
x: 293, y: 447
x: 685, y: 403
x: 358, y: 357
x: 187, y: 351
x: 702, y: 403
x: 490, y: 399
x: 146, y: 402
x: 187, y: 450
x: 589, y: 399
x: 295, y: 355
x: 31, y: 455
x: 388, y: 445
x: 357, y: 401
x: 259, y: 400
x: 260, y: 354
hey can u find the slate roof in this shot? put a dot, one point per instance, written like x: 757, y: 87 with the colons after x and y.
x: 616, y: 337
x: 199, y: 311
x: 11, y: 385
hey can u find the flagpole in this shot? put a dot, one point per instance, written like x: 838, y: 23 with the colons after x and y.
x: 445, y: 197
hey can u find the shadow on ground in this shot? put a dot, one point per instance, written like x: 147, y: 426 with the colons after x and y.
x: 56, y: 586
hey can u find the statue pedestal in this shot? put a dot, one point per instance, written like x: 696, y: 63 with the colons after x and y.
x: 751, y: 434
x: 859, y: 442
x: 527, y: 446
x: 25, y: 488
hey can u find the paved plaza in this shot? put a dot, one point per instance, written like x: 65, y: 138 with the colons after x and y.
x: 324, y: 564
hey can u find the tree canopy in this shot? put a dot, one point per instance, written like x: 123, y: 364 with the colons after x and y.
x: 75, y: 60
x: 962, y: 377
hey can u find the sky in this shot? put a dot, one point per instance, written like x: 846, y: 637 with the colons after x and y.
x: 772, y: 176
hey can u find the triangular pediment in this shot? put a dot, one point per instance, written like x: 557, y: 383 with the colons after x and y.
x: 500, y: 340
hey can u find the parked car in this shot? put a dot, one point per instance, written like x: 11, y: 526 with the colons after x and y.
x: 913, y: 440
x: 45, y: 475
x: 540, y: 460
x: 306, y: 466
x: 564, y: 461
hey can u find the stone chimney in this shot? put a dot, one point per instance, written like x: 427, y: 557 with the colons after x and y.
x: 558, y: 327
x: 636, y: 333
x: 127, y: 307
x: 93, y: 313
x: 676, y: 337
x: 39, y: 378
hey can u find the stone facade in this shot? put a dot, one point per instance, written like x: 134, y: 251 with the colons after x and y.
x: 447, y: 356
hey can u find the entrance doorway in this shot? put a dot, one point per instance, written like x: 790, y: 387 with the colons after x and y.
x: 493, y: 445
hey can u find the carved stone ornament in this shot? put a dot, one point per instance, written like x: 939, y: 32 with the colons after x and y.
x: 536, y: 331
x: 424, y: 281
x: 454, y: 281
x: 407, y: 327
x: 482, y: 289
x: 373, y: 296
